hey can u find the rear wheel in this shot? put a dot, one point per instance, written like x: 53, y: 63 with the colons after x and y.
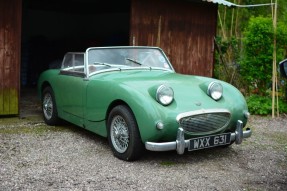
x: 123, y: 134
x: 49, y: 109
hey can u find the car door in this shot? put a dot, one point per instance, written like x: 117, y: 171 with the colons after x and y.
x: 71, y: 86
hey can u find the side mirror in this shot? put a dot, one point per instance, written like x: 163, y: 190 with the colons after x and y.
x: 283, y: 68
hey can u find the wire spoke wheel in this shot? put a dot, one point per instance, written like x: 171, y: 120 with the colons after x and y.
x: 49, y: 109
x: 119, y: 134
x: 123, y: 134
x: 48, y: 106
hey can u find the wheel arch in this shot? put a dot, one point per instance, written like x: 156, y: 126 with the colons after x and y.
x: 41, y: 88
x: 114, y: 104
x: 45, y: 84
x: 146, y: 122
x: 51, y: 118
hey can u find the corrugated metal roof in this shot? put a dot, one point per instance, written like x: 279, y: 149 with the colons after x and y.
x: 229, y: 4
x: 222, y: 2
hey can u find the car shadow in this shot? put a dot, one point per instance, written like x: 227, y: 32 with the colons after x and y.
x: 85, y: 133
x: 199, y: 156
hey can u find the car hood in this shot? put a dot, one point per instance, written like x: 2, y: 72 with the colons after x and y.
x: 190, y: 92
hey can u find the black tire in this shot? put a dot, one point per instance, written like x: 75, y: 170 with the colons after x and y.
x: 49, y: 108
x: 123, y: 134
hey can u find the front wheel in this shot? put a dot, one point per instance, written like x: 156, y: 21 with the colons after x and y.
x: 49, y: 109
x: 123, y: 134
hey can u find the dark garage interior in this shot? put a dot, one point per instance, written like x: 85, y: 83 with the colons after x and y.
x: 50, y: 28
x: 35, y: 35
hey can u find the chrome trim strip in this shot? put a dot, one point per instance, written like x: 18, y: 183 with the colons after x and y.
x: 198, y: 112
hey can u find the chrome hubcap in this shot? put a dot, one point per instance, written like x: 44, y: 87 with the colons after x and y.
x: 119, y: 134
x: 48, y: 106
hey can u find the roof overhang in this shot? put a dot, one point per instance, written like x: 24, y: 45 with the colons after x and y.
x: 229, y: 4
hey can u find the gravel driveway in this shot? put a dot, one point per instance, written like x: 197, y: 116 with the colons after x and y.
x: 38, y: 157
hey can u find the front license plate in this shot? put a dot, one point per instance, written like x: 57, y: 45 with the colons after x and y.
x: 209, y: 141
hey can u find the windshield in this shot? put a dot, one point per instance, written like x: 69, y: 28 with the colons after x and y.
x: 127, y: 58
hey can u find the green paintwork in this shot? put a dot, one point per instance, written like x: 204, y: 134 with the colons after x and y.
x: 86, y: 102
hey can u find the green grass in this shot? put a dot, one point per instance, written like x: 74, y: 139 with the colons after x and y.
x: 168, y: 163
x: 5, y: 121
x: 34, y: 124
x: 28, y: 129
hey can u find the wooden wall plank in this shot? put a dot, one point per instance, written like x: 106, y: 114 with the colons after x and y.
x: 10, y: 49
x: 2, y: 51
x: 184, y: 30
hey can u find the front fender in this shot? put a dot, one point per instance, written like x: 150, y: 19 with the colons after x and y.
x: 146, y: 110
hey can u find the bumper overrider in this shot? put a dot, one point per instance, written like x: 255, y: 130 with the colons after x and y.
x: 181, y: 144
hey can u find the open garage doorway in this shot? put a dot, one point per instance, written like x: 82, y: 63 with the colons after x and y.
x: 50, y: 28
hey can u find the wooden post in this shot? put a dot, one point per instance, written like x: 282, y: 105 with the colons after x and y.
x: 274, y: 72
x: 10, y: 50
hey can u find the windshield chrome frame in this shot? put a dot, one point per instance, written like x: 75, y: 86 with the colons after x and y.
x: 171, y: 69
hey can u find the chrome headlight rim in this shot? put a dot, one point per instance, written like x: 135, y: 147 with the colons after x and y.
x: 164, y: 95
x: 215, y: 90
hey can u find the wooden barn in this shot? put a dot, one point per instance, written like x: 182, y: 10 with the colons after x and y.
x: 34, y: 35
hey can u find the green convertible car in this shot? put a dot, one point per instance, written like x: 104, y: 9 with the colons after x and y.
x: 133, y: 96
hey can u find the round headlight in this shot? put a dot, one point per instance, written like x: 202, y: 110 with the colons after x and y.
x: 215, y: 90
x: 164, y: 95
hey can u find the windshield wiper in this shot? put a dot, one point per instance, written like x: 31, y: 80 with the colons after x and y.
x: 106, y: 64
x: 100, y: 63
x: 134, y: 61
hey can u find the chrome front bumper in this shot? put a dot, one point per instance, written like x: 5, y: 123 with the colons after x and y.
x: 181, y: 144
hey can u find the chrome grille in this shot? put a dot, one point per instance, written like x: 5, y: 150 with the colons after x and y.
x: 204, y: 122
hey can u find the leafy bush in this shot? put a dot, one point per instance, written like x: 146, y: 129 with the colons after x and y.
x: 262, y: 105
x: 256, y: 65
